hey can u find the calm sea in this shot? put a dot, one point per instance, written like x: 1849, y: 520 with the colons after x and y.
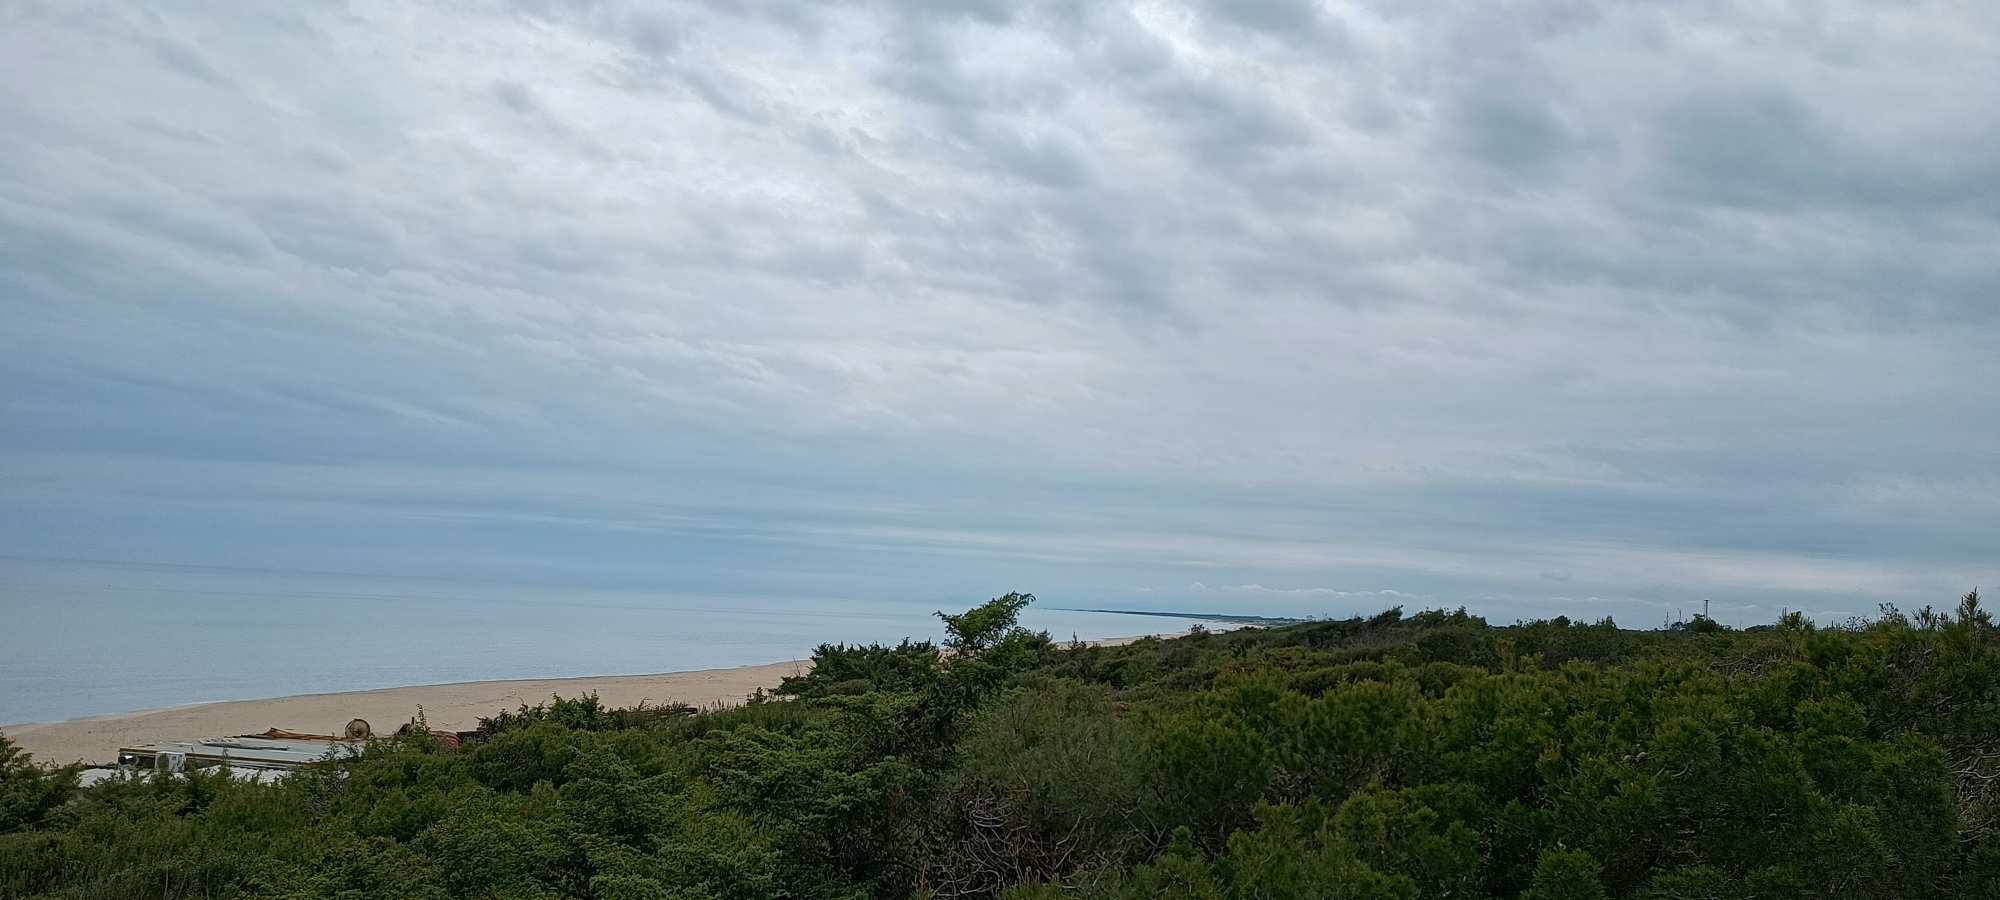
x: 80, y: 639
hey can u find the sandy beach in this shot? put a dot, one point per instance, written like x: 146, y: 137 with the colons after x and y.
x: 450, y: 707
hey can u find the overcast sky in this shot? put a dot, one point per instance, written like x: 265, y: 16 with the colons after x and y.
x: 1274, y: 306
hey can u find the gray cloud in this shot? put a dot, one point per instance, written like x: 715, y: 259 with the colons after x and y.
x: 1285, y: 18
x: 1607, y: 305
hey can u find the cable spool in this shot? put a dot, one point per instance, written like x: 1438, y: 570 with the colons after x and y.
x: 358, y: 730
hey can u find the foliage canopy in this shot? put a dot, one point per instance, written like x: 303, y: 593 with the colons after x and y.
x: 1422, y: 756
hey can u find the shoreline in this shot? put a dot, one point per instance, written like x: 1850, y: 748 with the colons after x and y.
x: 450, y: 706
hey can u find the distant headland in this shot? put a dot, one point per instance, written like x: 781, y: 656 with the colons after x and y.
x: 1227, y: 618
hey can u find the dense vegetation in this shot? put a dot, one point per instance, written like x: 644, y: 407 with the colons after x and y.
x: 1431, y: 756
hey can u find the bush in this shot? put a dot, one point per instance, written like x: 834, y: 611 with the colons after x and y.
x: 29, y: 792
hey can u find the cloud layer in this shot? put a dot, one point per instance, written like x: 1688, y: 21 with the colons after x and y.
x: 1542, y: 306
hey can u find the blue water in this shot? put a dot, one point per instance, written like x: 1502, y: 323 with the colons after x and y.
x: 80, y: 639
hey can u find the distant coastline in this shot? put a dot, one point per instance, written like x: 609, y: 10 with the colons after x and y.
x: 1227, y: 618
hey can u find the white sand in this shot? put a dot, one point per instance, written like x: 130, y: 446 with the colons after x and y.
x: 449, y: 707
